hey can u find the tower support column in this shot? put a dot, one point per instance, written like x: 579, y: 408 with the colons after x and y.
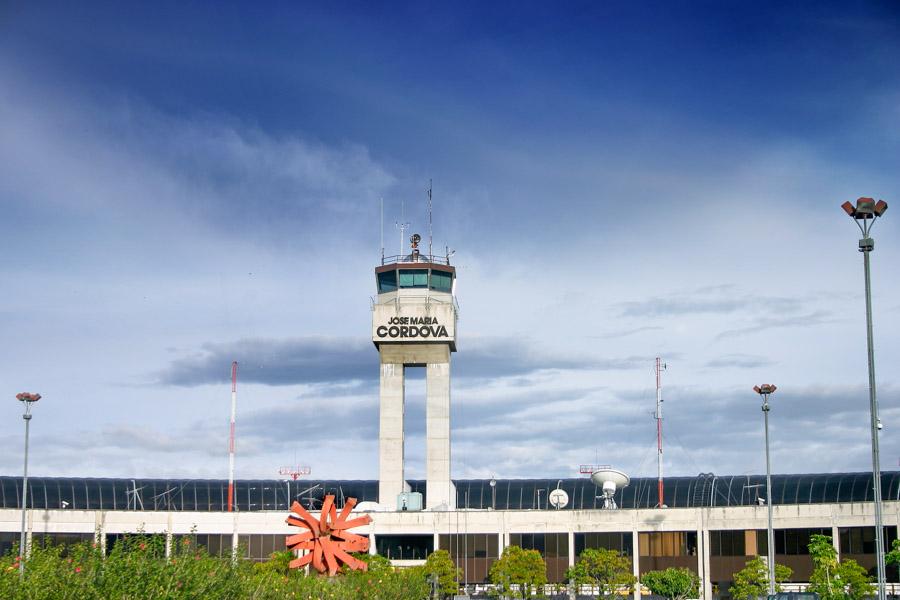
x: 439, y: 488
x: 390, y: 447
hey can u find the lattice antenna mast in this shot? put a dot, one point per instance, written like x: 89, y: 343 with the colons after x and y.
x: 234, y: 366
x: 430, y: 230
x: 660, y: 366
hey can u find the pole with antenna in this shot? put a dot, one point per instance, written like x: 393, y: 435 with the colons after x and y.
x: 234, y: 366
x: 430, y: 231
x: 382, y: 230
x: 402, y: 225
x: 660, y: 366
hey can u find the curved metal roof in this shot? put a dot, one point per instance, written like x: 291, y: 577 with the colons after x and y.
x: 705, y: 489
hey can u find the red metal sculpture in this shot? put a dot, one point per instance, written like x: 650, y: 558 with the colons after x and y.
x: 327, y: 540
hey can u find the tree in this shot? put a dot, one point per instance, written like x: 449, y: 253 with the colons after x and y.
x: 440, y: 566
x: 834, y: 580
x: 825, y: 578
x: 893, y: 557
x: 673, y: 583
x: 753, y: 580
x: 856, y: 580
x: 523, y: 568
x: 606, y: 569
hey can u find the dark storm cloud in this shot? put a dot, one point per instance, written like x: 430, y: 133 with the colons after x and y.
x: 327, y: 360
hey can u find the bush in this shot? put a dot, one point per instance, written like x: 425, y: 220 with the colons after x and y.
x: 137, y: 569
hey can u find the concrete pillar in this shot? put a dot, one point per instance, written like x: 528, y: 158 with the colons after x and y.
x: 390, y: 450
x: 836, y: 540
x: 372, y: 547
x: 437, y: 433
x: 572, y: 556
x: 703, y: 551
x: 636, y: 562
x: 169, y: 535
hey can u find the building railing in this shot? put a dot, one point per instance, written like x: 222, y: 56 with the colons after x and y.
x: 416, y: 258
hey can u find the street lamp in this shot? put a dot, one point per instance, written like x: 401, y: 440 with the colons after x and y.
x: 29, y: 399
x: 764, y: 391
x: 493, y: 493
x: 865, y: 213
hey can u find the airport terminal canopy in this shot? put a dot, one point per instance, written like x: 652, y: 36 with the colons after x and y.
x: 704, y: 490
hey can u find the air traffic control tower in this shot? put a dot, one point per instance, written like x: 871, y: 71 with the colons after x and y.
x: 414, y: 325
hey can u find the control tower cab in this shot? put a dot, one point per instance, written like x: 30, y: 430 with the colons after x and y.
x: 414, y: 325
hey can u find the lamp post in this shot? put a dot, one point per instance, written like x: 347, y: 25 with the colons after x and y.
x: 765, y: 390
x: 864, y: 214
x: 28, y: 399
x: 493, y: 493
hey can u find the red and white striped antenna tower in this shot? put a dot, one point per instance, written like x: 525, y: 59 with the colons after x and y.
x: 295, y: 471
x: 660, y: 366
x: 234, y: 366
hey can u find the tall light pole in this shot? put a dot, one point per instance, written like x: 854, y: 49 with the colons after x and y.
x: 29, y: 399
x: 764, y: 391
x: 865, y: 213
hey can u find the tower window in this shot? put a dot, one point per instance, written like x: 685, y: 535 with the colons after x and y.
x: 441, y: 281
x: 414, y: 278
x: 387, y: 281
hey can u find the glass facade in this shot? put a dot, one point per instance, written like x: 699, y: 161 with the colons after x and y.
x: 413, y: 278
x: 404, y: 547
x: 50, y: 493
x: 554, y: 547
x: 387, y: 281
x: 438, y: 280
x: 441, y: 281
x: 259, y: 547
x: 474, y: 553
x: 734, y: 542
x: 607, y: 540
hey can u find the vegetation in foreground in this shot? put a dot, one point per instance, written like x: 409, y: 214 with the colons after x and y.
x: 138, y: 569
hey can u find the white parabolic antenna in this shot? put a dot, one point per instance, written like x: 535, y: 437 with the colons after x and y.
x: 609, y: 480
x: 559, y: 498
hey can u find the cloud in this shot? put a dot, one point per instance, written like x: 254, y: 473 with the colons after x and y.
x: 708, y: 300
x: 818, y: 317
x: 740, y: 361
x: 334, y: 360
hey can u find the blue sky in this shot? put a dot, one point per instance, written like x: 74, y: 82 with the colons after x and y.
x: 187, y: 184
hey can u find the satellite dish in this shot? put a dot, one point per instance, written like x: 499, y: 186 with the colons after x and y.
x: 609, y: 480
x: 559, y: 498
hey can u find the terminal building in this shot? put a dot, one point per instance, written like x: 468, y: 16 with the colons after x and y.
x: 711, y: 524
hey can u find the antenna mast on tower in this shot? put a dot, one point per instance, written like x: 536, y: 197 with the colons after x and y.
x: 660, y: 366
x: 231, y: 436
x: 402, y: 225
x: 430, y: 232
